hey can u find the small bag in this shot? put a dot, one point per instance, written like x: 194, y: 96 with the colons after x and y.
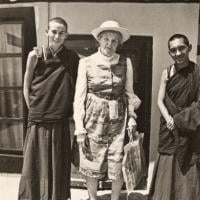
x: 75, y: 153
x: 76, y: 159
x: 134, y: 164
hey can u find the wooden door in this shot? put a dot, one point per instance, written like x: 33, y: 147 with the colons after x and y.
x: 139, y: 50
x: 17, y: 31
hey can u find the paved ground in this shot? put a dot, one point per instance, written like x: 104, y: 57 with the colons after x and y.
x: 9, y: 188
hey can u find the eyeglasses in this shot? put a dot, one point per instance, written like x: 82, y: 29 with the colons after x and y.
x: 181, y: 49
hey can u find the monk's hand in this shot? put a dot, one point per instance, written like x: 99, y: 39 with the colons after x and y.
x: 81, y: 139
x: 170, y: 123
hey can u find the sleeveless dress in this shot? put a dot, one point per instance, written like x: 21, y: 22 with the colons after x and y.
x: 105, y: 93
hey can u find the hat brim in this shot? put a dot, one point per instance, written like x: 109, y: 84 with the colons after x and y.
x: 124, y: 32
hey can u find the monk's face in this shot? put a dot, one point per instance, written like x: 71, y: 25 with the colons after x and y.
x: 57, y: 33
x: 179, y: 51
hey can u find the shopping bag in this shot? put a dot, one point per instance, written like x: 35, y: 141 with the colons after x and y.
x: 134, y: 164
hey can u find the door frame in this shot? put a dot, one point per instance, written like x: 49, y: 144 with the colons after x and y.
x: 10, y: 160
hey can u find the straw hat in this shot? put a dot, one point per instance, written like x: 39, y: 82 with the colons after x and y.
x: 111, y: 25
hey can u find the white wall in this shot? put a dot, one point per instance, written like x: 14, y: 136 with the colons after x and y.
x: 157, y: 20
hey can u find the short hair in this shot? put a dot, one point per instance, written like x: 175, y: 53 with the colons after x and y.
x: 60, y: 21
x: 179, y: 36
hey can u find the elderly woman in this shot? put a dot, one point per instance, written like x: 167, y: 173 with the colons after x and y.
x: 104, y: 101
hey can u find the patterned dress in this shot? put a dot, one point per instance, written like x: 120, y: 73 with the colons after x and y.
x: 103, y: 87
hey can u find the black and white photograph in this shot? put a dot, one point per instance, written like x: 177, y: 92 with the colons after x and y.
x: 100, y: 100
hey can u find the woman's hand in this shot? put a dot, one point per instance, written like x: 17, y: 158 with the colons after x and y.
x: 170, y: 123
x: 81, y: 139
x: 132, y: 125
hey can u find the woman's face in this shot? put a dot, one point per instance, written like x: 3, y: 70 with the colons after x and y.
x: 109, y: 41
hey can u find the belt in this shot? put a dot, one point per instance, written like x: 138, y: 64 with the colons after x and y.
x: 108, y: 96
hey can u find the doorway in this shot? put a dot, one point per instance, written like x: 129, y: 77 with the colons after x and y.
x: 18, y: 37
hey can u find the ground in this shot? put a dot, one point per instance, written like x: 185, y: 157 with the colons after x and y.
x: 9, y: 187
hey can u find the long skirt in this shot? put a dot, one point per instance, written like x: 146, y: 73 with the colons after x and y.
x: 46, y: 167
x: 169, y: 183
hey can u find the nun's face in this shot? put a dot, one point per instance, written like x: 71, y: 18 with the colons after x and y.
x: 109, y: 41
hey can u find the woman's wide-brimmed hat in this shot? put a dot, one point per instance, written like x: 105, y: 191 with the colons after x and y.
x: 111, y: 25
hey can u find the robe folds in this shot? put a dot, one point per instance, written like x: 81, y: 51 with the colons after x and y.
x: 182, y: 100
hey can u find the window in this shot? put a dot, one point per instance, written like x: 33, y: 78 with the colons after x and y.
x: 11, y: 99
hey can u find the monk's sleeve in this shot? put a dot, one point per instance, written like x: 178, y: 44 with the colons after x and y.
x: 189, y: 118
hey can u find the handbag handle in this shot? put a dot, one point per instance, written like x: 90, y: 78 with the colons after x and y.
x: 132, y: 134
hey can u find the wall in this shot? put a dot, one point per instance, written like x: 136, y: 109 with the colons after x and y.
x: 157, y: 20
